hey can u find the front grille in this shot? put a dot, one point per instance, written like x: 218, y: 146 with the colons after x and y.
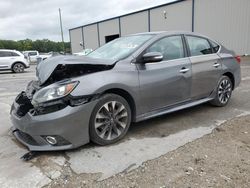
x: 31, y: 88
x: 24, y: 104
x: 26, y: 138
x: 61, y: 141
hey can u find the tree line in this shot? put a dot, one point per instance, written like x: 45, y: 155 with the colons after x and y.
x: 43, y: 45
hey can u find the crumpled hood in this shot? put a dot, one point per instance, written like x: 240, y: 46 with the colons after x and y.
x: 46, y: 68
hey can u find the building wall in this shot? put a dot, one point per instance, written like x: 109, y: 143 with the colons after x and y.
x: 76, y: 38
x: 177, y: 17
x: 227, y: 21
x: 110, y: 27
x: 90, y: 34
x: 134, y: 23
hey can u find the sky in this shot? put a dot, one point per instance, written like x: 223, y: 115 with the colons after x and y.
x: 39, y: 19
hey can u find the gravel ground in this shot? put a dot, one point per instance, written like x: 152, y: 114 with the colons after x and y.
x: 220, y: 159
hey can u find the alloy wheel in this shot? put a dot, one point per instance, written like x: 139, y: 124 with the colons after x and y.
x: 224, y: 91
x: 18, y: 67
x: 111, y: 120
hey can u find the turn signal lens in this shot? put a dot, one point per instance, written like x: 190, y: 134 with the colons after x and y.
x: 238, y: 58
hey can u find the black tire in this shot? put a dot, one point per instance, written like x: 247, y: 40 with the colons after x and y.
x: 110, y: 121
x: 223, y: 92
x: 18, y: 67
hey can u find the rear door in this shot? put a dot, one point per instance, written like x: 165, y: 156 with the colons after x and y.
x: 206, y: 66
x: 6, y: 59
x: 167, y: 82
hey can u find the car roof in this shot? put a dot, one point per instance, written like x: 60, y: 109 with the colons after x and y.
x: 163, y: 33
x: 6, y: 50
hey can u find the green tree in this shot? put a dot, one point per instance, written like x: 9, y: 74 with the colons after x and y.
x: 44, y: 45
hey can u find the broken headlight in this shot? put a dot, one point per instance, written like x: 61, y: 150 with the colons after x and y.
x: 54, y: 91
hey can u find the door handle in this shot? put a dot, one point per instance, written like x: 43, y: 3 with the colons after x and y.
x: 216, y: 65
x: 184, y: 70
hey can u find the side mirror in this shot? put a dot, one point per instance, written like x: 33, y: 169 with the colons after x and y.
x: 151, y: 57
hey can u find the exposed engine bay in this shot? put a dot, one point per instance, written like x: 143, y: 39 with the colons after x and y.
x: 64, y: 71
x: 61, y: 72
x: 63, y: 67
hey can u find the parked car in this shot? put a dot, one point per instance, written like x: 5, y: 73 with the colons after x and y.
x: 130, y: 79
x: 34, y: 56
x: 13, y: 60
x: 31, y: 55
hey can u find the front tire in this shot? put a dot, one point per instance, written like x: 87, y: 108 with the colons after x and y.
x: 18, y: 68
x: 223, y: 92
x: 110, y: 119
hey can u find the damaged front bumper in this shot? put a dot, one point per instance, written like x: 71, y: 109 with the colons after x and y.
x: 69, y: 126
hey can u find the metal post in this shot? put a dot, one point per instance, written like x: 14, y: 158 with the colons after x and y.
x: 98, y: 33
x: 119, y: 20
x: 60, y: 16
x: 149, y: 27
x: 193, y: 15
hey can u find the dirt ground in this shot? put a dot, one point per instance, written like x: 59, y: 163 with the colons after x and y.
x: 168, y: 151
x: 220, y: 159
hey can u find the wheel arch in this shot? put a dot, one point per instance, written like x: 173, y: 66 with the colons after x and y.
x: 127, y: 96
x: 231, y: 76
x: 16, y: 63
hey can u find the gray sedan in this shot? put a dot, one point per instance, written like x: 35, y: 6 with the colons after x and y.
x: 95, y: 98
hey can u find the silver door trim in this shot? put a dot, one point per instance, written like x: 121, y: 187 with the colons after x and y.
x: 184, y: 70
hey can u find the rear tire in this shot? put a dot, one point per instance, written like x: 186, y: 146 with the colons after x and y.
x: 18, y: 68
x: 223, y: 92
x: 110, y: 119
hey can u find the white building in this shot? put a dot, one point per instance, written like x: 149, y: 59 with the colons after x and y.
x: 227, y: 21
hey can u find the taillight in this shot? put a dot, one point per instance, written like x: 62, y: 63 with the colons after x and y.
x: 238, y: 58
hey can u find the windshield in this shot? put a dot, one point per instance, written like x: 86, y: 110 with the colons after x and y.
x: 120, y: 48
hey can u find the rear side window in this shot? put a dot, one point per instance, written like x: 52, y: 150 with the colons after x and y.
x: 198, y: 46
x: 215, y: 46
x: 170, y: 47
x: 14, y: 54
x: 32, y: 53
x: 1, y: 54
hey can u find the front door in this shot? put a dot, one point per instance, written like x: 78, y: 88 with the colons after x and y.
x: 167, y: 82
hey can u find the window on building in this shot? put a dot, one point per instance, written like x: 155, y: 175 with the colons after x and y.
x: 198, y: 46
x: 111, y: 37
x: 170, y: 47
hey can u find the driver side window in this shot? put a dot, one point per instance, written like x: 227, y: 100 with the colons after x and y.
x: 170, y: 47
